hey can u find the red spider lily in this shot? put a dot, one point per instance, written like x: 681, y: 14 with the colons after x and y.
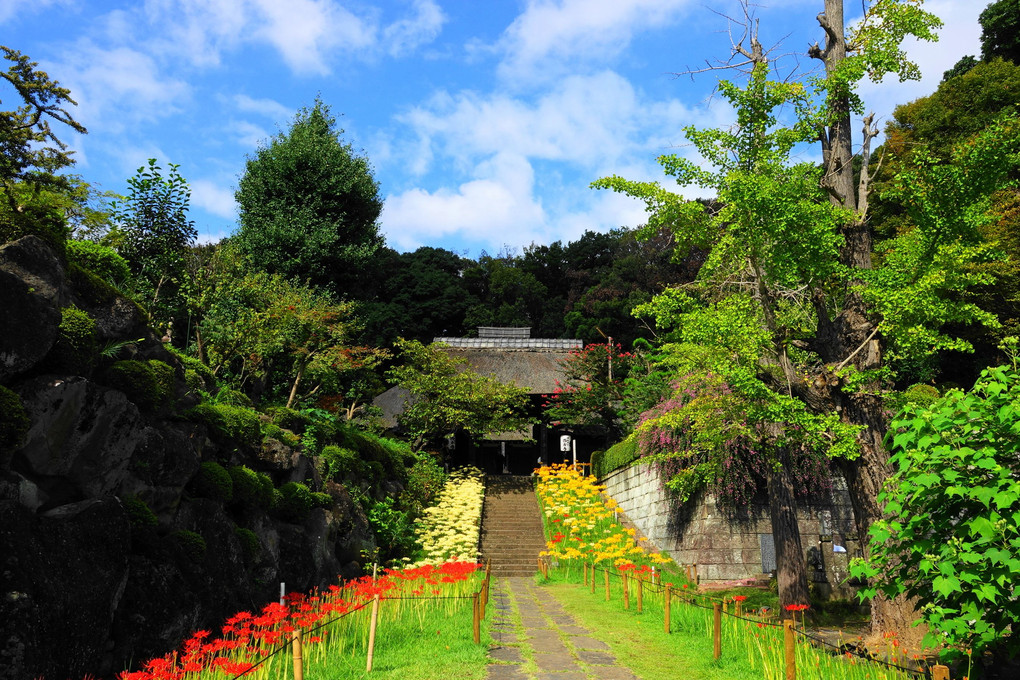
x: 739, y: 598
x: 797, y: 607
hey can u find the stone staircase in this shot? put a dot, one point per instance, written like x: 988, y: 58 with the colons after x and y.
x: 512, y: 534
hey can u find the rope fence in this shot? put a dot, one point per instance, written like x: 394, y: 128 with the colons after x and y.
x: 479, y: 600
x: 720, y: 609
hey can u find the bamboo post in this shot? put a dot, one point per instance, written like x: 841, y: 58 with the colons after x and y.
x: 299, y: 671
x: 738, y: 610
x: 371, y: 632
x: 539, y: 560
x: 626, y: 592
x: 791, y: 650
x: 606, y: 572
x: 716, y: 630
x: 726, y: 605
x: 940, y: 672
x: 640, y: 593
x: 694, y: 574
x: 593, y: 578
x: 485, y: 596
x: 475, y: 619
x: 666, y: 602
x: 585, y: 566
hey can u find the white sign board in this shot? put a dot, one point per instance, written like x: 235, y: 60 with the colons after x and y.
x: 565, y: 443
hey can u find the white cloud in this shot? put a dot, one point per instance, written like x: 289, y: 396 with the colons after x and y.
x: 248, y: 134
x: 551, y: 33
x: 11, y: 9
x: 306, y: 31
x: 405, y: 35
x: 214, y: 198
x: 269, y: 108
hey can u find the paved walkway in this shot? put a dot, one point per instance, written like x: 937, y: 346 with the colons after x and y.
x: 547, y: 639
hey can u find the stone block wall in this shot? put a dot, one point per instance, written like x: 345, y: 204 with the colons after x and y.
x: 726, y: 547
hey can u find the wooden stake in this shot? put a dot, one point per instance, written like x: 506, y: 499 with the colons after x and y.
x: 371, y: 632
x: 299, y: 671
x: 476, y: 624
x: 593, y: 577
x: 485, y: 596
x: 694, y: 574
x: 606, y: 572
x: 666, y: 602
x: 738, y: 609
x: 626, y: 592
x: 640, y: 593
x: 585, y: 566
x: 940, y: 672
x: 791, y: 650
x: 716, y: 630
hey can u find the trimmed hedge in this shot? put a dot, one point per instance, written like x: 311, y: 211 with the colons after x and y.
x: 616, y: 456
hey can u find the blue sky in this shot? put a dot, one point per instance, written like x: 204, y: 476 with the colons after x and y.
x: 484, y: 121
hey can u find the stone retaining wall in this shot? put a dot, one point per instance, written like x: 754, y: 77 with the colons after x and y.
x: 726, y: 547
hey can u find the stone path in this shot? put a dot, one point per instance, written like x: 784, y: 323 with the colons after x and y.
x: 548, y: 644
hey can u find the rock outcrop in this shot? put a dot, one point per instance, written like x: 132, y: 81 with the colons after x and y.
x: 108, y: 554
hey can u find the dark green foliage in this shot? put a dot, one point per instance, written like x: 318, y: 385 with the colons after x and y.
x: 249, y: 488
x: 1000, y: 31
x: 598, y: 463
x: 14, y: 422
x: 271, y: 431
x: 309, y: 204
x: 320, y: 429
x: 295, y: 502
x: 76, y: 350
x: 229, y: 424
x: 961, y: 67
x: 191, y: 363
x: 616, y: 456
x: 149, y: 384
x: 393, y: 528
x: 139, y: 513
x: 425, y: 480
x: 391, y: 455
x: 189, y: 543
x: 101, y: 260
x: 233, y: 398
x: 213, y: 481
x: 251, y: 546
x: 288, y: 418
x: 89, y: 287
x: 322, y: 500
x: 193, y: 380
x: 341, y: 463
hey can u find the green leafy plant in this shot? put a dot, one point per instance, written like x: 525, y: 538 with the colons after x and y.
x: 425, y: 481
x: 340, y: 463
x: 951, y: 539
x: 393, y: 529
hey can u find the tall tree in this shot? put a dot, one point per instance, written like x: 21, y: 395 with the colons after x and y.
x: 309, y: 205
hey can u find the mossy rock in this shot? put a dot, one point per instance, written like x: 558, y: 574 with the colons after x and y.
x: 251, y: 546
x: 91, y: 288
x: 101, y: 260
x: 288, y: 418
x: 271, y: 431
x: 295, y: 502
x: 149, y: 384
x: 76, y: 349
x: 140, y: 515
x: 191, y: 363
x: 249, y: 488
x: 322, y: 500
x: 229, y: 424
x: 14, y: 422
x: 233, y: 398
x: 189, y: 543
x: 212, y: 481
x: 193, y: 380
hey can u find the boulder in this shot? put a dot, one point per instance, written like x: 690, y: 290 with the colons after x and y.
x: 32, y: 291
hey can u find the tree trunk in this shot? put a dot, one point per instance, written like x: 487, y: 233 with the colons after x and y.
x: 791, y: 566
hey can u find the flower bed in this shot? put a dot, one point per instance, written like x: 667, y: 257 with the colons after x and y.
x: 449, y: 529
x: 582, y: 525
x: 249, y: 643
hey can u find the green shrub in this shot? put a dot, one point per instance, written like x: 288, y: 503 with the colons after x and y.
x: 288, y: 418
x: 618, y: 455
x: 98, y: 259
x: 271, y: 431
x: 597, y: 462
x: 229, y: 424
x: 191, y: 363
x: 213, y: 481
x: 340, y: 463
x: 424, y: 482
x: 322, y: 500
x: 149, y: 384
x: 76, y: 349
x: 139, y: 513
x: 250, y: 488
x: 387, y: 452
x: 251, y: 546
x: 233, y: 398
x: 295, y: 502
x: 91, y: 288
x: 14, y: 422
x: 921, y: 395
x: 190, y: 544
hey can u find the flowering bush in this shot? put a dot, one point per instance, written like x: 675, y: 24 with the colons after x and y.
x: 583, y: 524
x: 450, y: 528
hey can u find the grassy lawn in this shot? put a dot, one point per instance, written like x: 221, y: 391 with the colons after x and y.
x: 639, y: 642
